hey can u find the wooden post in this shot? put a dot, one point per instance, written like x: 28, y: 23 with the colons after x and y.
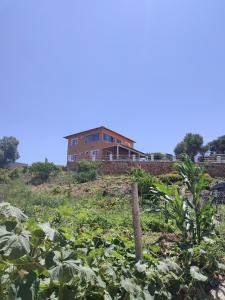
x: 136, y: 221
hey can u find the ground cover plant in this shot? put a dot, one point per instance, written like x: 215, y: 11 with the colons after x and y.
x: 70, y: 240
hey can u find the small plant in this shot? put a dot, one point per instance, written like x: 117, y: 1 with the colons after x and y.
x: 193, y: 215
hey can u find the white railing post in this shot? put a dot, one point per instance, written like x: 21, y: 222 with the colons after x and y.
x: 152, y: 157
x: 133, y: 157
x: 110, y: 157
x: 218, y: 159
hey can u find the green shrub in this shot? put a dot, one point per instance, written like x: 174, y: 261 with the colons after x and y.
x: 170, y: 178
x: 14, y: 174
x: 145, y: 182
x: 82, y: 177
x: 86, y: 171
x: 4, y: 176
x: 157, y: 224
x: 42, y: 171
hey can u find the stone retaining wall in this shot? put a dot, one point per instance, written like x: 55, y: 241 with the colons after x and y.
x: 154, y: 168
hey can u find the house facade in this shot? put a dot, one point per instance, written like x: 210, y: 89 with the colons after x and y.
x: 101, y: 143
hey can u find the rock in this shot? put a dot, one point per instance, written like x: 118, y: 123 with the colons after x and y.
x: 217, y: 192
x: 219, y: 293
x: 219, y: 187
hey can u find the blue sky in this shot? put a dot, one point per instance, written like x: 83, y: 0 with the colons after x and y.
x: 150, y: 69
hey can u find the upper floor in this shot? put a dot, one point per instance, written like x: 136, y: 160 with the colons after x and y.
x: 100, y: 137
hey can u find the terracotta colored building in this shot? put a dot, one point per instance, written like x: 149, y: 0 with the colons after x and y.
x: 101, y: 143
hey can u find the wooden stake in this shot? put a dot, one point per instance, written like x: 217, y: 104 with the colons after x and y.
x: 136, y: 221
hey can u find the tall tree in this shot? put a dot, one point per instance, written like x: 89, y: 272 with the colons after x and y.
x: 191, y: 145
x: 217, y: 146
x: 8, y: 150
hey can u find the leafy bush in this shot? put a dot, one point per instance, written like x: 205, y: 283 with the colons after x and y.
x: 170, y: 178
x: 4, y: 176
x: 86, y: 171
x: 14, y: 174
x: 144, y: 180
x: 42, y: 171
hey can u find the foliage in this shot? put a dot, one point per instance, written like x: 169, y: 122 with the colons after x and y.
x: 217, y: 146
x: 193, y: 216
x: 40, y: 262
x: 4, y: 176
x: 8, y: 150
x: 156, y: 155
x: 41, y: 171
x: 86, y: 171
x: 14, y: 174
x: 145, y: 181
x: 170, y: 178
x: 78, y: 242
x: 191, y: 145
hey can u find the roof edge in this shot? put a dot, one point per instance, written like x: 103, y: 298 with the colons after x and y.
x: 100, y: 127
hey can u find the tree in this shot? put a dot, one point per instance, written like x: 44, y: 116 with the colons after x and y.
x: 217, y: 146
x: 191, y: 145
x: 8, y: 150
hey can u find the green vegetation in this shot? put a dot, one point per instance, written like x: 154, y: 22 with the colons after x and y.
x: 191, y: 145
x: 217, y: 146
x: 8, y: 150
x: 41, y: 171
x: 71, y: 237
x: 86, y: 171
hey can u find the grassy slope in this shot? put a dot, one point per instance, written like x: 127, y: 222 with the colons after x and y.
x: 102, y: 206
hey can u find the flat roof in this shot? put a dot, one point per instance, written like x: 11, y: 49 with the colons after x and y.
x: 101, y: 127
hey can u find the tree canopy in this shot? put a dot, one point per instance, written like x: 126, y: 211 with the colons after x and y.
x: 191, y: 145
x: 8, y: 150
x: 217, y: 146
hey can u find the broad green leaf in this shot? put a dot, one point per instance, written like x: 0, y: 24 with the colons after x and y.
x: 195, y: 274
x: 88, y: 277
x: 14, y: 245
x: 51, y: 233
x: 135, y: 291
x: 11, y: 212
x: 65, y: 271
x: 141, y: 268
x: 24, y: 289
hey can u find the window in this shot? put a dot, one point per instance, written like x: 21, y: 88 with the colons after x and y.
x: 92, y: 138
x: 74, y: 141
x: 73, y: 157
x: 94, y: 152
x: 108, y: 138
x: 119, y: 141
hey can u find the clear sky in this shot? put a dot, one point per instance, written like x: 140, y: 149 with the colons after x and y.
x: 150, y: 69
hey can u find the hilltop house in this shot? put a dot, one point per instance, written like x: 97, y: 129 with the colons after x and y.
x: 101, y: 143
